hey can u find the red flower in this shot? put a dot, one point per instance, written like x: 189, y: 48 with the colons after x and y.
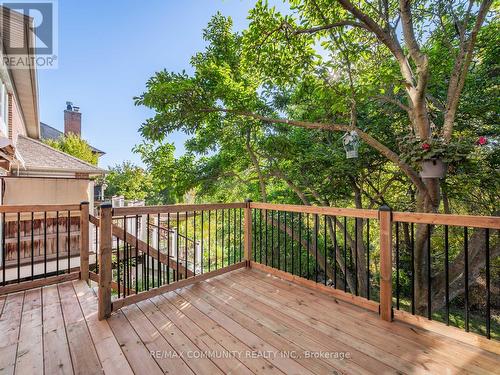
x: 482, y: 141
x: 426, y: 146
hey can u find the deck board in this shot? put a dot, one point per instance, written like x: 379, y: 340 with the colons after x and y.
x: 30, y: 348
x: 57, y: 359
x: 243, y: 322
x: 421, y: 347
x: 10, y: 324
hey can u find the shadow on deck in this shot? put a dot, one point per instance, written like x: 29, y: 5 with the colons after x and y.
x: 243, y: 322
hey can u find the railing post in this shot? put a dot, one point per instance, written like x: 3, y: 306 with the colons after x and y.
x: 104, y: 291
x: 385, y: 221
x: 248, y: 232
x: 84, y: 241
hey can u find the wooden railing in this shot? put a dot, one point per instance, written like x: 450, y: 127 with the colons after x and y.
x: 42, y: 245
x: 361, y: 256
x: 145, y: 251
x: 355, y: 255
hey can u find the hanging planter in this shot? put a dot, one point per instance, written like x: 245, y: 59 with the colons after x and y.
x: 433, y: 168
x: 351, y: 144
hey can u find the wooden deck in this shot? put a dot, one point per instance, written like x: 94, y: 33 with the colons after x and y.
x: 242, y: 322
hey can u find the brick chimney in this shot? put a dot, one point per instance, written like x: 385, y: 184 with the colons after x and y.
x: 72, y: 119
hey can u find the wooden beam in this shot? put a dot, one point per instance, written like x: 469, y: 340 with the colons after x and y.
x: 13, y: 288
x: 385, y: 221
x: 336, y: 293
x: 248, y: 232
x: 84, y: 241
x: 105, y: 267
x: 118, y: 304
x: 448, y: 331
x: 143, y: 247
x: 330, y: 211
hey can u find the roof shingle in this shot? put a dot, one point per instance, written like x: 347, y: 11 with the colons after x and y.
x: 38, y: 156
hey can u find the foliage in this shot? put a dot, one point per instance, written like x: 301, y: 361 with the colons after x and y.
x: 128, y: 180
x: 414, y: 150
x: 75, y: 146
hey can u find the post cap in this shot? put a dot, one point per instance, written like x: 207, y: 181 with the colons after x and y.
x: 84, y: 202
x: 248, y: 200
x: 106, y: 205
x: 385, y: 208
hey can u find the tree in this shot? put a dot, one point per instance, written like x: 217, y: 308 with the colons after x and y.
x: 75, y: 146
x: 128, y: 180
x: 384, y: 71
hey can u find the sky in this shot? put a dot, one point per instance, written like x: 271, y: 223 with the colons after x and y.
x: 108, y: 50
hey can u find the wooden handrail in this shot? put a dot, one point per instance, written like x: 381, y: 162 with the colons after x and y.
x: 320, y: 210
x: 492, y: 222
x: 38, y: 208
x: 144, y: 210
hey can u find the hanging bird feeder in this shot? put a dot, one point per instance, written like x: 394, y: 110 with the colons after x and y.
x: 351, y: 144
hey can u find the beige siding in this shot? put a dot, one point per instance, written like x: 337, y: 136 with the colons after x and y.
x: 16, y: 126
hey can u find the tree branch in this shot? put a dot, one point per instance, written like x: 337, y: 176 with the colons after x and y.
x: 382, y: 149
x: 459, y: 73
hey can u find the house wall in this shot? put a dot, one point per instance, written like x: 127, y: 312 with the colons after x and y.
x: 16, y: 125
x: 30, y: 190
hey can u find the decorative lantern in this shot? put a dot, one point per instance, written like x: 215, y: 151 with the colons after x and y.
x: 351, y: 144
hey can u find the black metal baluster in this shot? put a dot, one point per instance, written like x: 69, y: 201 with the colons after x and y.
x: 260, y: 236
x: 284, y: 240
x: 202, y: 243
x: 234, y: 236
x: 68, y: 242
x: 186, y: 243
x: 32, y: 246
x: 335, y: 251
x: 136, y: 254
x: 4, y: 252
x: 216, y: 238
x: 169, y: 249
x: 278, y: 231
x: 292, y: 241
x: 316, y: 269
x: 177, y: 247
x: 265, y: 214
x: 446, y: 275
x: 209, y: 239
x: 194, y: 243
x: 45, y: 243
x: 466, y: 277
x: 412, y: 269
x: 228, y: 236
x: 222, y: 229
x: 147, y: 253
x: 57, y: 242
x: 118, y: 264
x: 241, y: 236
x: 308, y: 240
x: 368, y: 259
x: 272, y: 238
x: 488, y: 291
x: 126, y: 283
x: 429, y: 276
x: 325, y: 249
x: 299, y: 250
x: 397, y: 265
x: 254, y: 234
x: 345, y: 253
x: 158, y: 246
x: 18, y: 247
x: 356, y: 256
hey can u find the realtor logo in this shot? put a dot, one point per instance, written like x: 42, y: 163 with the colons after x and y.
x: 29, y: 34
